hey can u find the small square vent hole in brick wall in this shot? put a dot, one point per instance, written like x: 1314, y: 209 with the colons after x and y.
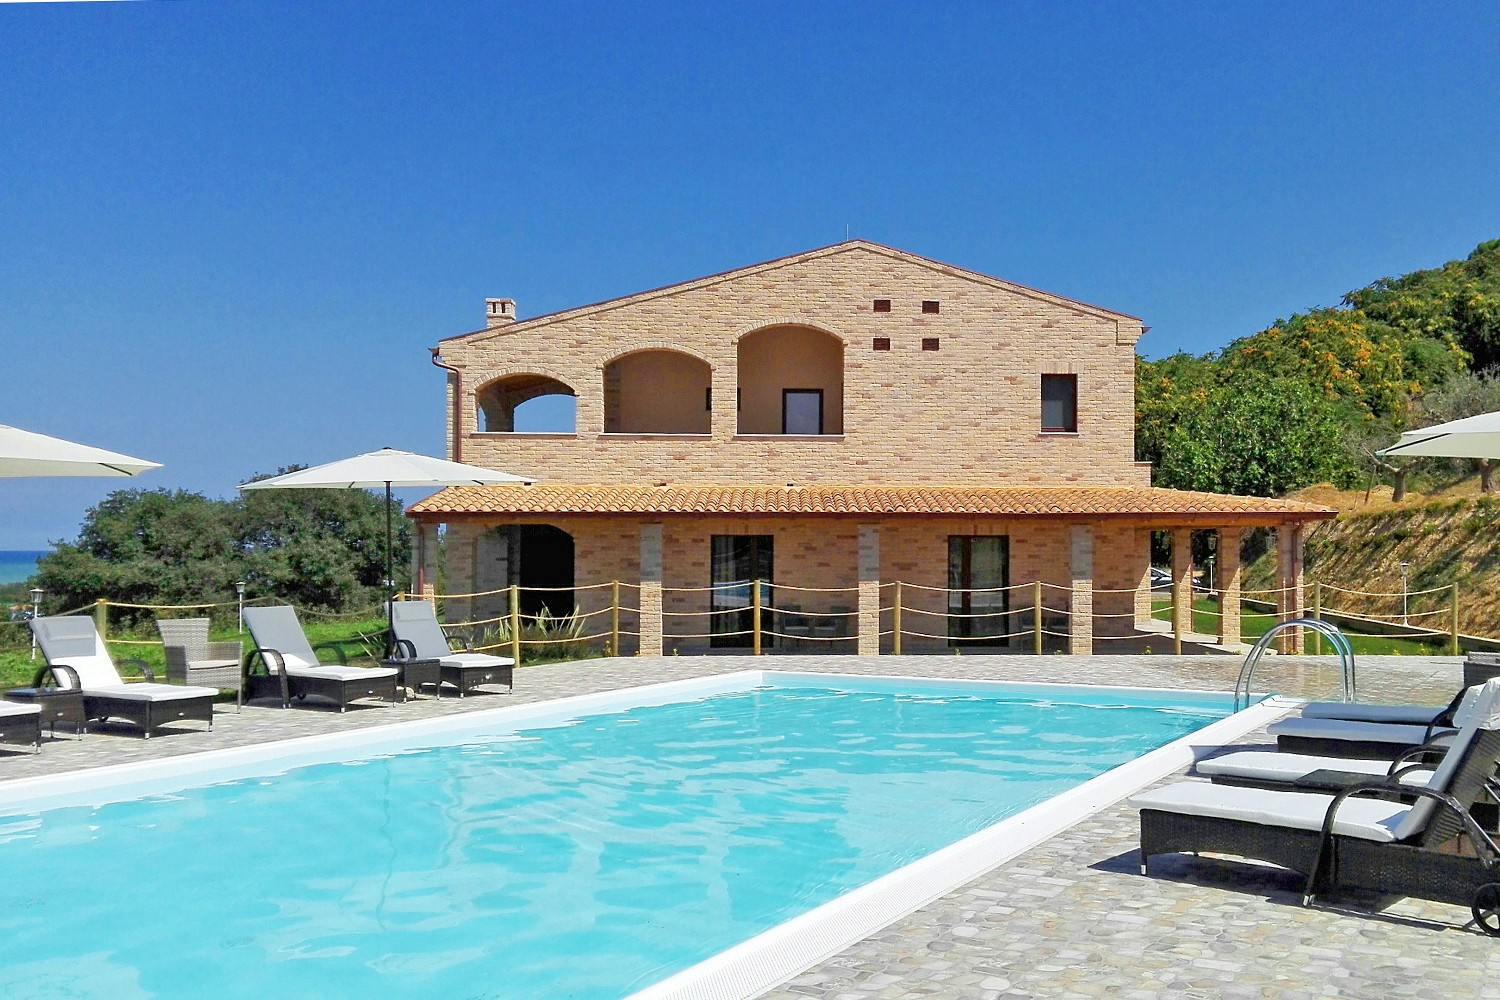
x: 882, y: 305
x: 881, y: 344
x: 929, y: 343
x: 929, y: 306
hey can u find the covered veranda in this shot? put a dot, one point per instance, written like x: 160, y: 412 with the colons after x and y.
x: 892, y: 569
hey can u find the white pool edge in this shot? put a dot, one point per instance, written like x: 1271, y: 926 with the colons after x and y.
x: 774, y: 956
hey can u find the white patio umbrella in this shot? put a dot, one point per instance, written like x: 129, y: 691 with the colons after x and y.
x: 386, y: 467
x: 26, y: 454
x: 1470, y: 437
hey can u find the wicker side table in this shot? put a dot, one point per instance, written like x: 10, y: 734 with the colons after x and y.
x: 58, y: 705
x: 415, y: 673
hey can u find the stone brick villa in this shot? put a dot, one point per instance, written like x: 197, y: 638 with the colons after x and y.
x: 839, y: 420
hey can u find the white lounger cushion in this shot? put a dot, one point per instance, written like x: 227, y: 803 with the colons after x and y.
x: 1367, y: 819
x: 342, y: 673
x: 476, y: 660
x: 1346, y: 729
x: 1268, y: 765
x: 17, y: 708
x: 1411, y: 715
x: 151, y: 692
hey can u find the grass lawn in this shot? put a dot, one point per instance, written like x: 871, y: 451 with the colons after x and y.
x: 361, y: 641
x: 1253, y: 624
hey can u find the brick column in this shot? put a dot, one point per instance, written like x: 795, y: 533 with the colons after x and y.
x: 424, y: 552
x: 1182, y: 580
x: 1081, y: 608
x: 651, y: 617
x: 1143, y: 583
x: 1228, y: 566
x: 869, y: 590
x: 1290, y: 600
x: 462, y: 540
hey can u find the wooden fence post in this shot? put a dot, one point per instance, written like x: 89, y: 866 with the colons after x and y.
x: 515, y: 623
x: 1453, y: 620
x: 614, y: 618
x: 1036, y: 617
x: 1177, y: 620
x: 755, y: 618
x: 1317, y: 637
x: 896, y: 618
x: 101, y: 617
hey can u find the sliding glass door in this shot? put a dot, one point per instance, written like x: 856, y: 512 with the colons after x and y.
x: 734, y: 562
x: 977, y: 565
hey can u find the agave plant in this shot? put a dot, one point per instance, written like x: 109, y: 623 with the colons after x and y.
x: 555, y: 637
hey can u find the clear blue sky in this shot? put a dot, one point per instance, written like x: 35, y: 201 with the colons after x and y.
x: 230, y: 231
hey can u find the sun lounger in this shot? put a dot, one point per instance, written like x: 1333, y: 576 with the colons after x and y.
x: 1357, y: 729
x: 74, y: 642
x: 1383, y: 836
x: 21, y: 725
x: 1348, y: 738
x: 418, y: 636
x: 293, y: 670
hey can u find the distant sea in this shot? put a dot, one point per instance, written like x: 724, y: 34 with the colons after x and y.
x: 16, y: 564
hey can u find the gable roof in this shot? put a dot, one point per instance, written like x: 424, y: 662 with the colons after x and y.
x: 1076, y: 502
x: 791, y: 260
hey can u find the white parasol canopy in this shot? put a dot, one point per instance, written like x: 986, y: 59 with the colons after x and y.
x: 25, y: 454
x: 386, y: 467
x: 1470, y: 437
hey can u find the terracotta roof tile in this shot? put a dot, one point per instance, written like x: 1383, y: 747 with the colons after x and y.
x: 865, y: 500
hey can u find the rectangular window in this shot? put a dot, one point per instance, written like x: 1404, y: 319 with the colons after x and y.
x: 882, y: 305
x: 1060, y: 403
x: 881, y: 344
x: 734, y: 562
x: 929, y: 306
x: 978, y: 604
x: 802, y: 411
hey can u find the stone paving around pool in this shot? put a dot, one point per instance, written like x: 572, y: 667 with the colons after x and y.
x: 1069, y: 918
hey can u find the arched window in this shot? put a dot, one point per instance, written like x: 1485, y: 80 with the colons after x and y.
x: 657, y: 392
x: 791, y: 381
x: 527, y: 403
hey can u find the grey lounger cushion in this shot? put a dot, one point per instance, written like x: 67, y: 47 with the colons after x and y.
x: 75, y: 641
x: 277, y: 628
x: 1346, y: 729
x: 1411, y: 715
x: 16, y: 708
x: 416, y: 622
x: 1269, y: 765
x: 1367, y: 819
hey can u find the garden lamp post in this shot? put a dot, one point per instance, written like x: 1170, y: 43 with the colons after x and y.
x: 1209, y: 582
x: 239, y: 596
x: 1404, y: 592
x: 36, y: 609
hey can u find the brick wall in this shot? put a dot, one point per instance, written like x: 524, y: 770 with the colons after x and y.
x: 968, y: 412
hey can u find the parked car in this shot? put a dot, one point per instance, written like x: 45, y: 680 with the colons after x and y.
x: 1160, y: 578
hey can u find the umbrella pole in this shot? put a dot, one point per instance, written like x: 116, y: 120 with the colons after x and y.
x: 390, y: 576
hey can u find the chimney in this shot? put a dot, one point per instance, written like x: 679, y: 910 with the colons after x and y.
x: 499, y: 312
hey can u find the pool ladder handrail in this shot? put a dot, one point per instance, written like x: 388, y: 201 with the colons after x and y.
x: 1337, y: 638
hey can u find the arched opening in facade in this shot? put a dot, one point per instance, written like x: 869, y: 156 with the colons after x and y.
x: 527, y: 403
x: 791, y: 381
x: 535, y: 558
x: 657, y: 392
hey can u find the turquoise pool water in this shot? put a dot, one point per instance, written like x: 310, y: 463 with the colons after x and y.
x: 584, y: 860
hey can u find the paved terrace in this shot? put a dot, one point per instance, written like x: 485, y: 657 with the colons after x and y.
x: 1069, y: 918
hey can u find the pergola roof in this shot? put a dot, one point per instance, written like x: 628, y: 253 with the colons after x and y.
x: 1148, y: 504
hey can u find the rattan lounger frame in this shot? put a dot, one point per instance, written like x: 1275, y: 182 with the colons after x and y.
x: 148, y: 715
x: 1415, y: 867
x: 277, y: 683
x: 463, y: 676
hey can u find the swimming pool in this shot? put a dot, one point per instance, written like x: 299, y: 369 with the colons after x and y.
x: 588, y: 853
